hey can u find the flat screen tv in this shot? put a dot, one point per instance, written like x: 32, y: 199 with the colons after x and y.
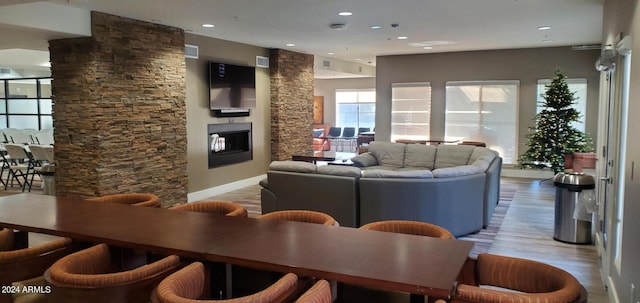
x: 231, y: 86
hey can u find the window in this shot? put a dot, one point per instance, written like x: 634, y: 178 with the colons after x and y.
x: 26, y: 103
x: 579, y: 87
x: 410, y: 111
x: 484, y: 111
x: 356, y: 108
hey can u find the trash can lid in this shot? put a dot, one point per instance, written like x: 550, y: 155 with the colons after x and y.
x: 574, y: 179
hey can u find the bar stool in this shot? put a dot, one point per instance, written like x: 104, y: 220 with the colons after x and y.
x: 135, y: 199
x: 226, y: 208
x: 308, y: 216
x: 188, y: 285
x: 410, y: 227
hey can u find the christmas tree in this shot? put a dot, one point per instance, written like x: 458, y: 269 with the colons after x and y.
x: 553, y: 135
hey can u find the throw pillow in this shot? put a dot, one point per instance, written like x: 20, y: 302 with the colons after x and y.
x: 364, y: 160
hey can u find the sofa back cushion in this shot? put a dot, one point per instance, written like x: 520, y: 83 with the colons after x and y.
x: 457, y: 171
x: 339, y: 170
x: 293, y: 166
x: 420, y: 155
x: 385, y: 173
x: 482, y: 157
x: 453, y: 155
x: 387, y: 153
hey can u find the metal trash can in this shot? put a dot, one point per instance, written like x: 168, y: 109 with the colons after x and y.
x: 569, y: 188
x: 48, y: 181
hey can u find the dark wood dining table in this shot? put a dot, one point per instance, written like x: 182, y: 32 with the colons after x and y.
x: 389, y: 261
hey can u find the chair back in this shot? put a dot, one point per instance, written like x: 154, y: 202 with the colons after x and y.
x: 320, y: 292
x: 187, y: 285
x: 17, y: 136
x: 87, y: 276
x: 363, y: 130
x: 334, y: 132
x: 226, y: 208
x: 19, y: 263
x: 16, y: 151
x: 39, y: 153
x: 307, y: 216
x: 410, y: 227
x: 525, y: 281
x: 43, y: 137
x: 135, y: 199
x: 349, y: 132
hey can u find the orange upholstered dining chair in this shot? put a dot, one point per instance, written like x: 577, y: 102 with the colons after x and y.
x: 410, y: 227
x: 188, y: 285
x: 522, y: 281
x: 320, y: 292
x: 216, y: 207
x: 307, y: 216
x: 90, y: 275
x: 26, y: 265
x: 135, y: 199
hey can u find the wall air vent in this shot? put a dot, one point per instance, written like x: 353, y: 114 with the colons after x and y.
x: 191, y: 51
x: 5, y: 70
x: 326, y: 63
x: 262, y: 62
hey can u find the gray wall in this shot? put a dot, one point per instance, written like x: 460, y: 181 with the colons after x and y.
x: 526, y: 65
x: 199, y: 115
x: 327, y: 88
x: 621, y: 18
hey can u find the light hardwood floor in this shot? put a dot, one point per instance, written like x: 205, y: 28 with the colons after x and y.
x: 527, y: 232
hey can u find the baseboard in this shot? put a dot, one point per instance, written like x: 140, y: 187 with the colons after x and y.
x: 218, y: 190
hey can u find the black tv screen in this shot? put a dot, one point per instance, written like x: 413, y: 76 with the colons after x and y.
x: 231, y: 86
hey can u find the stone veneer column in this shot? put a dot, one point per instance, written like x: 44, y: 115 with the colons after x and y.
x: 291, y: 103
x: 119, y: 110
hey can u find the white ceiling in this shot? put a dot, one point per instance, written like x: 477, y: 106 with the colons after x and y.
x: 462, y: 25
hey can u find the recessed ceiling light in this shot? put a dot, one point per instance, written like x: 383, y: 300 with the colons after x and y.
x: 375, y: 27
x: 208, y: 25
x: 428, y: 47
x: 330, y: 53
x: 547, y: 40
x: 358, y: 59
x: 403, y: 38
x: 290, y: 44
x: 544, y: 28
x: 345, y: 13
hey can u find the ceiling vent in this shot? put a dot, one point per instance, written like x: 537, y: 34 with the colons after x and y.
x: 337, y: 26
x: 326, y: 63
x: 262, y: 62
x: 191, y: 51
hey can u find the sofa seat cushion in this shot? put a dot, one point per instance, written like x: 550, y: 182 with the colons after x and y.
x: 293, y: 166
x: 453, y: 155
x: 385, y: 173
x: 463, y: 170
x: 364, y: 160
x: 339, y: 170
x: 482, y: 157
x: 387, y: 153
x: 420, y: 155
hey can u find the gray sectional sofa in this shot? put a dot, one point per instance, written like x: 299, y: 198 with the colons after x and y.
x: 454, y: 186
